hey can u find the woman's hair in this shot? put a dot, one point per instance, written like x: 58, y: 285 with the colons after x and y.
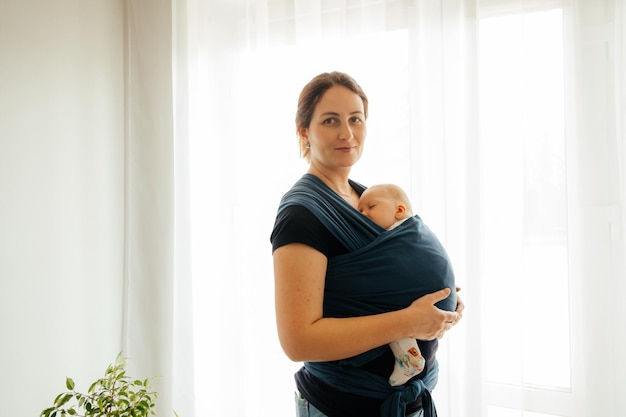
x: 311, y: 94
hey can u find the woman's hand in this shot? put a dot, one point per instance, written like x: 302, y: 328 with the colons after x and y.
x: 306, y: 335
x: 460, y: 306
x: 430, y: 322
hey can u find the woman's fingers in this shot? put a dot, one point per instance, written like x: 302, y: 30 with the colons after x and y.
x: 460, y: 305
x: 437, y: 296
x: 432, y: 321
x: 451, y: 317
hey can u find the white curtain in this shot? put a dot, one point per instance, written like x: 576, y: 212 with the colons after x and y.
x: 504, y: 120
x: 619, y: 225
x: 157, y: 317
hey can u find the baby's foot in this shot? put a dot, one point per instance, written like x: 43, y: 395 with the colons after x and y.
x: 409, y: 361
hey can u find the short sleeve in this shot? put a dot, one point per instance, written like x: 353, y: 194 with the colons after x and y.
x: 296, y: 224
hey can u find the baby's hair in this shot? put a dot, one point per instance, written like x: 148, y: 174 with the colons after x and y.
x: 397, y: 194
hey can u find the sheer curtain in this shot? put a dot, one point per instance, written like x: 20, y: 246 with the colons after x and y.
x: 157, y: 316
x: 504, y: 120
x: 619, y: 223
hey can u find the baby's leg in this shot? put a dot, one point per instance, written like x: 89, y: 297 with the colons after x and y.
x: 409, y: 361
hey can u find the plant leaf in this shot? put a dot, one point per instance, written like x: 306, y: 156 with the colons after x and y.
x: 62, y: 399
x: 47, y: 411
x: 69, y: 383
x: 93, y: 387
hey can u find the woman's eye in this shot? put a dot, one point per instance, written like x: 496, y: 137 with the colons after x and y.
x: 356, y: 120
x: 329, y: 121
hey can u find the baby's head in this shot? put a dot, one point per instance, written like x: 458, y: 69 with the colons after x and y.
x: 385, y: 204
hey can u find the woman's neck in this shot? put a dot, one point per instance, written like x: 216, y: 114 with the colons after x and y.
x: 337, y: 181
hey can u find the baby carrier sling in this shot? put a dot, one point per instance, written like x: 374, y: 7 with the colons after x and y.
x: 385, y: 270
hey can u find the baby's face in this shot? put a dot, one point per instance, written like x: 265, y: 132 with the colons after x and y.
x: 378, y: 207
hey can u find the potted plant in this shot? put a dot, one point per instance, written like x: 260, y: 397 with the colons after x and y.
x: 114, y: 395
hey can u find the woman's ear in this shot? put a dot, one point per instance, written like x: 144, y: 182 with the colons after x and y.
x: 303, y: 134
x: 305, y: 145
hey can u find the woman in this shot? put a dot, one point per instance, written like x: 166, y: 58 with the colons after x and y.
x: 318, y: 227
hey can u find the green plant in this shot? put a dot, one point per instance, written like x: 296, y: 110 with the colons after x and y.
x: 114, y: 395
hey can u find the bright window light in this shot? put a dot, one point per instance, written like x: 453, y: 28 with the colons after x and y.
x: 509, y: 412
x: 523, y: 180
x: 254, y: 132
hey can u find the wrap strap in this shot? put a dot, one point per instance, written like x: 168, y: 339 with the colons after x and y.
x: 360, y: 382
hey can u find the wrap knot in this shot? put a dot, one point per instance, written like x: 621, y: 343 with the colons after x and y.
x: 395, y: 404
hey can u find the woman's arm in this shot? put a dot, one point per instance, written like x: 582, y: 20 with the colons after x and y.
x: 299, y: 273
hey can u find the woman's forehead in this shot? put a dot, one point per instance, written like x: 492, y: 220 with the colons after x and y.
x: 339, y: 99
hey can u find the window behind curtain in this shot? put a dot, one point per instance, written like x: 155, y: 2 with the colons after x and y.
x: 524, y: 212
x: 235, y: 330
x: 523, y: 192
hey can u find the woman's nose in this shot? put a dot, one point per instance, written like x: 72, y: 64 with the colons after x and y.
x: 345, y: 132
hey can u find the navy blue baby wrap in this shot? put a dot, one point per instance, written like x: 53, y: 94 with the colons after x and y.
x: 385, y: 270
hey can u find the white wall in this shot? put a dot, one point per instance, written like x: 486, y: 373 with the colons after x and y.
x: 61, y: 196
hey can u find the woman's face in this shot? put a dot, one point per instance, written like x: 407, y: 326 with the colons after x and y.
x: 337, y: 130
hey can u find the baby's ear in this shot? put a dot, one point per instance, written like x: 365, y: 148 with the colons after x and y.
x: 400, y: 210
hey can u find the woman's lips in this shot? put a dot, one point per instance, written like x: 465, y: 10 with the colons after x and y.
x: 346, y: 148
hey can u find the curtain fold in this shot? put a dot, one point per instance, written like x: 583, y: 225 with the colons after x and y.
x: 443, y: 129
x: 157, y: 313
x: 183, y: 361
x: 620, y: 224
x: 599, y: 166
x: 147, y: 327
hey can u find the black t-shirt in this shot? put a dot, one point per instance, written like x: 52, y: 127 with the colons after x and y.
x: 296, y: 224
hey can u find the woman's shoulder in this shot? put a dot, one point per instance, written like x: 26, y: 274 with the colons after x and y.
x: 296, y: 224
